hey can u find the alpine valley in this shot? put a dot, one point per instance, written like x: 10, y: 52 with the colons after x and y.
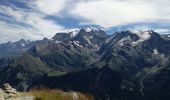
x: 127, y: 65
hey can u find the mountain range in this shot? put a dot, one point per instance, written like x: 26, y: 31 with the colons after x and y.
x: 127, y: 65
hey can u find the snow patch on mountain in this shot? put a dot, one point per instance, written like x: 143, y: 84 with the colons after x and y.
x: 143, y: 36
x: 77, y: 43
x: 90, y: 29
x: 124, y: 40
x: 88, y: 40
x: 74, y: 33
x: 22, y: 44
x: 155, y: 51
x: 57, y: 42
x: 96, y: 46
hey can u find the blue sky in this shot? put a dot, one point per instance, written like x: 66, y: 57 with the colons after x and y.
x: 36, y: 19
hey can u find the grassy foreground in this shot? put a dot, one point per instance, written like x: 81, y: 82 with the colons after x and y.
x: 48, y: 94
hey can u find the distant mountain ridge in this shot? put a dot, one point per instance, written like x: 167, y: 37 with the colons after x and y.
x: 18, y: 47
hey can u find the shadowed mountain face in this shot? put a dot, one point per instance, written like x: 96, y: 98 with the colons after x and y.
x: 78, y: 51
x: 124, y: 66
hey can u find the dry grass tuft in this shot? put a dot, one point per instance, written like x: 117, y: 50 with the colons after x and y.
x: 53, y: 94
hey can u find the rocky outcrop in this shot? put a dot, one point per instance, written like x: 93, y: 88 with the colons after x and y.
x: 8, y: 93
x: 1, y: 94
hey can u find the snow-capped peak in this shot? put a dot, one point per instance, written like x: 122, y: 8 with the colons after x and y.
x: 143, y: 35
x: 74, y: 32
x: 89, y: 29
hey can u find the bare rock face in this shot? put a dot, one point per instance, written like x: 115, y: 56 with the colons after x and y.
x: 8, y: 89
x: 1, y: 94
x: 8, y: 93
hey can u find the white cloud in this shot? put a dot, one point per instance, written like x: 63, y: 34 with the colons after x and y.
x: 49, y: 7
x: 162, y: 31
x: 139, y: 28
x: 109, y: 13
x: 46, y: 27
x: 39, y: 27
x: 11, y: 32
